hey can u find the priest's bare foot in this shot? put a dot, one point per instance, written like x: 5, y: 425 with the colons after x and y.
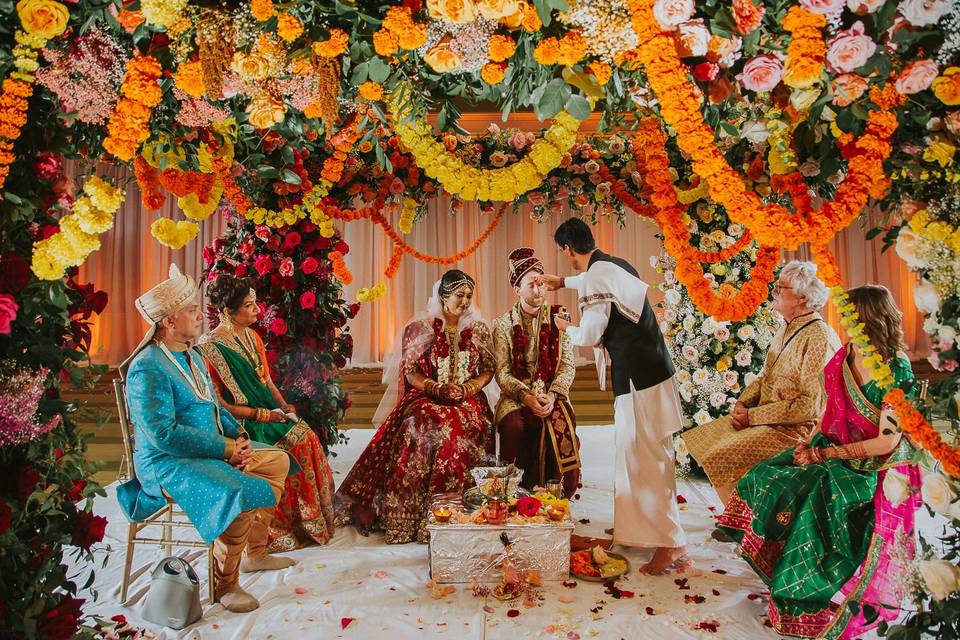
x: 265, y: 563
x: 237, y: 600
x: 666, y: 559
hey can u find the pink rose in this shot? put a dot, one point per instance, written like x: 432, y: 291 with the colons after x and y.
x: 671, y: 13
x: 263, y: 264
x: 591, y: 166
x: 309, y: 265
x: 847, y: 88
x: 863, y: 7
x: 917, y: 76
x: 8, y: 312
x: 286, y: 267
x: 952, y: 122
x: 603, y: 189
x: 263, y: 233
x: 308, y: 300
x: 397, y: 187
x: 498, y: 159
x: 278, y: 326
x: 949, y: 365
x: 850, y: 49
x: 762, y: 73
x: 518, y: 141
x: 823, y: 7
x: 706, y: 71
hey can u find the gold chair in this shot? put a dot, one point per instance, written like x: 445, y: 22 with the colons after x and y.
x: 167, y: 517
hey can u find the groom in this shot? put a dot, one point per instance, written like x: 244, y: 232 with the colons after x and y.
x: 615, y: 314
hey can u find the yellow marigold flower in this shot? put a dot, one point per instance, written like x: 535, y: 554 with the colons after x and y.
x: 262, y: 10
x: 103, y: 194
x: 493, y: 72
x: 385, y: 43
x: 500, y: 48
x: 162, y: 13
x: 288, y: 27
x: 947, y: 87
x: 370, y: 91
x: 172, y: 234
x: 334, y: 45
x: 44, y: 265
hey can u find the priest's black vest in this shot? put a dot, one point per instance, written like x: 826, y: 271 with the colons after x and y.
x: 637, y: 350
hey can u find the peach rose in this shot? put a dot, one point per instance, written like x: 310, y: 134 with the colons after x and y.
x: 694, y: 37
x: 863, y: 7
x: 823, y: 7
x: 952, y: 123
x: 850, y: 49
x: 250, y: 66
x: 917, y: 76
x: 847, y: 88
x: 265, y: 111
x: 671, y: 13
x: 440, y: 58
x: 43, y: 18
x: 761, y: 73
x: 496, y: 9
x: 724, y: 51
x: 515, y: 20
x: 456, y: 11
x: 921, y: 13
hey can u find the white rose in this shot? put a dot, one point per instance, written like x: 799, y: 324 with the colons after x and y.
x: 686, y: 391
x: 718, y: 399
x: 906, y: 248
x: 690, y: 353
x: 921, y: 13
x: 654, y: 260
x: 730, y: 378
x: 670, y: 315
x: 671, y: 13
x: 694, y: 38
x: 722, y: 334
x: 708, y: 326
x: 673, y: 297
x: 743, y: 358
x: 938, y: 492
x: 688, y: 323
x: 700, y: 376
x: 896, y: 487
x: 931, y: 325
x: 669, y: 277
x: 946, y: 333
x: 749, y: 379
x: 681, y: 451
x: 701, y: 417
x: 940, y: 576
x: 683, y: 376
x: 745, y: 332
x: 926, y: 297
x: 755, y: 131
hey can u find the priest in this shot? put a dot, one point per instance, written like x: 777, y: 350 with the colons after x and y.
x: 616, y: 317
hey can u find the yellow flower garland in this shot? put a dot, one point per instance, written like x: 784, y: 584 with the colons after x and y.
x: 407, y: 214
x: 175, y: 235
x: 470, y: 183
x: 371, y: 294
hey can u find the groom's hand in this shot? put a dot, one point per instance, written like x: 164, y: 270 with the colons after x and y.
x: 552, y: 282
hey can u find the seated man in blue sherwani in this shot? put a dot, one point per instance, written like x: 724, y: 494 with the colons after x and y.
x: 190, y: 449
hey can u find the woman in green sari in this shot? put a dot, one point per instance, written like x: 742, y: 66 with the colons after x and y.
x: 829, y: 525
x: 238, y: 364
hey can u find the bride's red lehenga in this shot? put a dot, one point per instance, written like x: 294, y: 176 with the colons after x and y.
x: 425, y: 446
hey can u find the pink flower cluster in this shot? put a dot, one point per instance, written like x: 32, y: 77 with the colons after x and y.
x: 20, y: 394
x: 86, y: 76
x: 197, y: 112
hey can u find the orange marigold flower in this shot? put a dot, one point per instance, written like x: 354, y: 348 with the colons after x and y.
x: 600, y: 71
x: 397, y: 19
x: 413, y: 37
x: 531, y: 20
x: 288, y: 27
x: 547, y: 51
x: 189, y: 78
x: 385, y: 43
x: 262, y: 10
x: 501, y: 48
x: 129, y: 20
x: 370, y: 91
x: 332, y: 46
x: 573, y: 47
x: 493, y: 72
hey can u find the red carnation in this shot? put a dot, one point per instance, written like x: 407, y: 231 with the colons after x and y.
x: 528, y: 506
x: 309, y: 265
x: 278, y: 326
x: 4, y: 516
x: 706, y: 71
x: 61, y: 622
x: 308, y: 300
x: 87, y: 529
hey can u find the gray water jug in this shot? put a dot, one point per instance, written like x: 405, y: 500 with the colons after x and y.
x: 174, y: 597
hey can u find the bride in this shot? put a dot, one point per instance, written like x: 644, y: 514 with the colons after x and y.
x: 439, y: 428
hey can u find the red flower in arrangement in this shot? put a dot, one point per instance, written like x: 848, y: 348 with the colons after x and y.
x: 209, y: 256
x: 76, y: 491
x: 5, y: 512
x: 29, y: 477
x: 286, y: 267
x: 278, y: 326
x: 8, y: 312
x: 45, y: 231
x: 309, y: 265
x: 354, y: 310
x: 14, y: 273
x: 87, y: 529
x: 263, y: 264
x: 342, y: 247
x: 48, y: 166
x: 528, y: 506
x: 62, y: 621
x: 706, y: 71
x: 241, y: 271
x: 308, y: 300
x: 291, y: 241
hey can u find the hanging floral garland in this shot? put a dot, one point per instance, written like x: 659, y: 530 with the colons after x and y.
x: 922, y: 432
x: 770, y: 224
x: 129, y: 124
x: 471, y: 183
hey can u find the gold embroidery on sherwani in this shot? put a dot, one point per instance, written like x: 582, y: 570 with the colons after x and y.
x: 784, y: 404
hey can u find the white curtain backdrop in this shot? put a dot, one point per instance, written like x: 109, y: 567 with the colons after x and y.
x: 131, y: 261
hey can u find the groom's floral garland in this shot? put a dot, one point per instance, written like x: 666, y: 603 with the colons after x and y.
x: 545, y: 362
x: 771, y: 224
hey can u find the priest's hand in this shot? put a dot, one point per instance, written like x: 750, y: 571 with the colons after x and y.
x: 562, y: 323
x: 552, y: 282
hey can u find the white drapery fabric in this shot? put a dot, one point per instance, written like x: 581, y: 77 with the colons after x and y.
x: 131, y: 261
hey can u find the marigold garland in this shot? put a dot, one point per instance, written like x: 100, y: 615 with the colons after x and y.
x: 340, y: 269
x: 922, y: 432
x: 771, y: 224
x: 807, y: 51
x: 470, y: 183
x: 175, y: 235
x: 128, y: 126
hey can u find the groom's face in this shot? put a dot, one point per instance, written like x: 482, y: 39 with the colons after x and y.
x: 531, y: 289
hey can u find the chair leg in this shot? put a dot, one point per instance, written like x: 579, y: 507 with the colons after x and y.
x: 168, y: 532
x: 128, y: 562
x: 210, y: 574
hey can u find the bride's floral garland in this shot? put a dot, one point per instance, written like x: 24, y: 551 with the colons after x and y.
x: 771, y: 224
x: 462, y: 362
x: 471, y: 183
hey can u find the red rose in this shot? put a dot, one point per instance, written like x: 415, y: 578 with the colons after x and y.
x: 29, y: 478
x: 208, y: 256
x: 14, y: 273
x: 323, y: 243
x: 46, y: 231
x: 263, y: 264
x: 528, y: 506
x: 273, y: 243
x: 342, y: 247
x: 75, y: 494
x: 308, y: 300
x: 278, y: 326
x: 291, y: 240
x: 240, y: 271
x: 308, y: 227
x: 413, y: 5
x: 354, y: 309
x: 4, y: 516
x: 48, y: 166
x: 87, y: 529
x: 61, y: 622
x: 309, y: 265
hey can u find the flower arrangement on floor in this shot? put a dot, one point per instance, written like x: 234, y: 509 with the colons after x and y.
x: 303, y: 315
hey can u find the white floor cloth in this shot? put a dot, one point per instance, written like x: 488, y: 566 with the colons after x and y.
x: 382, y: 587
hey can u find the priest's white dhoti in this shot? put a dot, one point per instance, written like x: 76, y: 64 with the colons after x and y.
x: 645, y: 485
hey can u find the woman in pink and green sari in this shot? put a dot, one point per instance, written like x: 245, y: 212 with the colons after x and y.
x: 829, y: 525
